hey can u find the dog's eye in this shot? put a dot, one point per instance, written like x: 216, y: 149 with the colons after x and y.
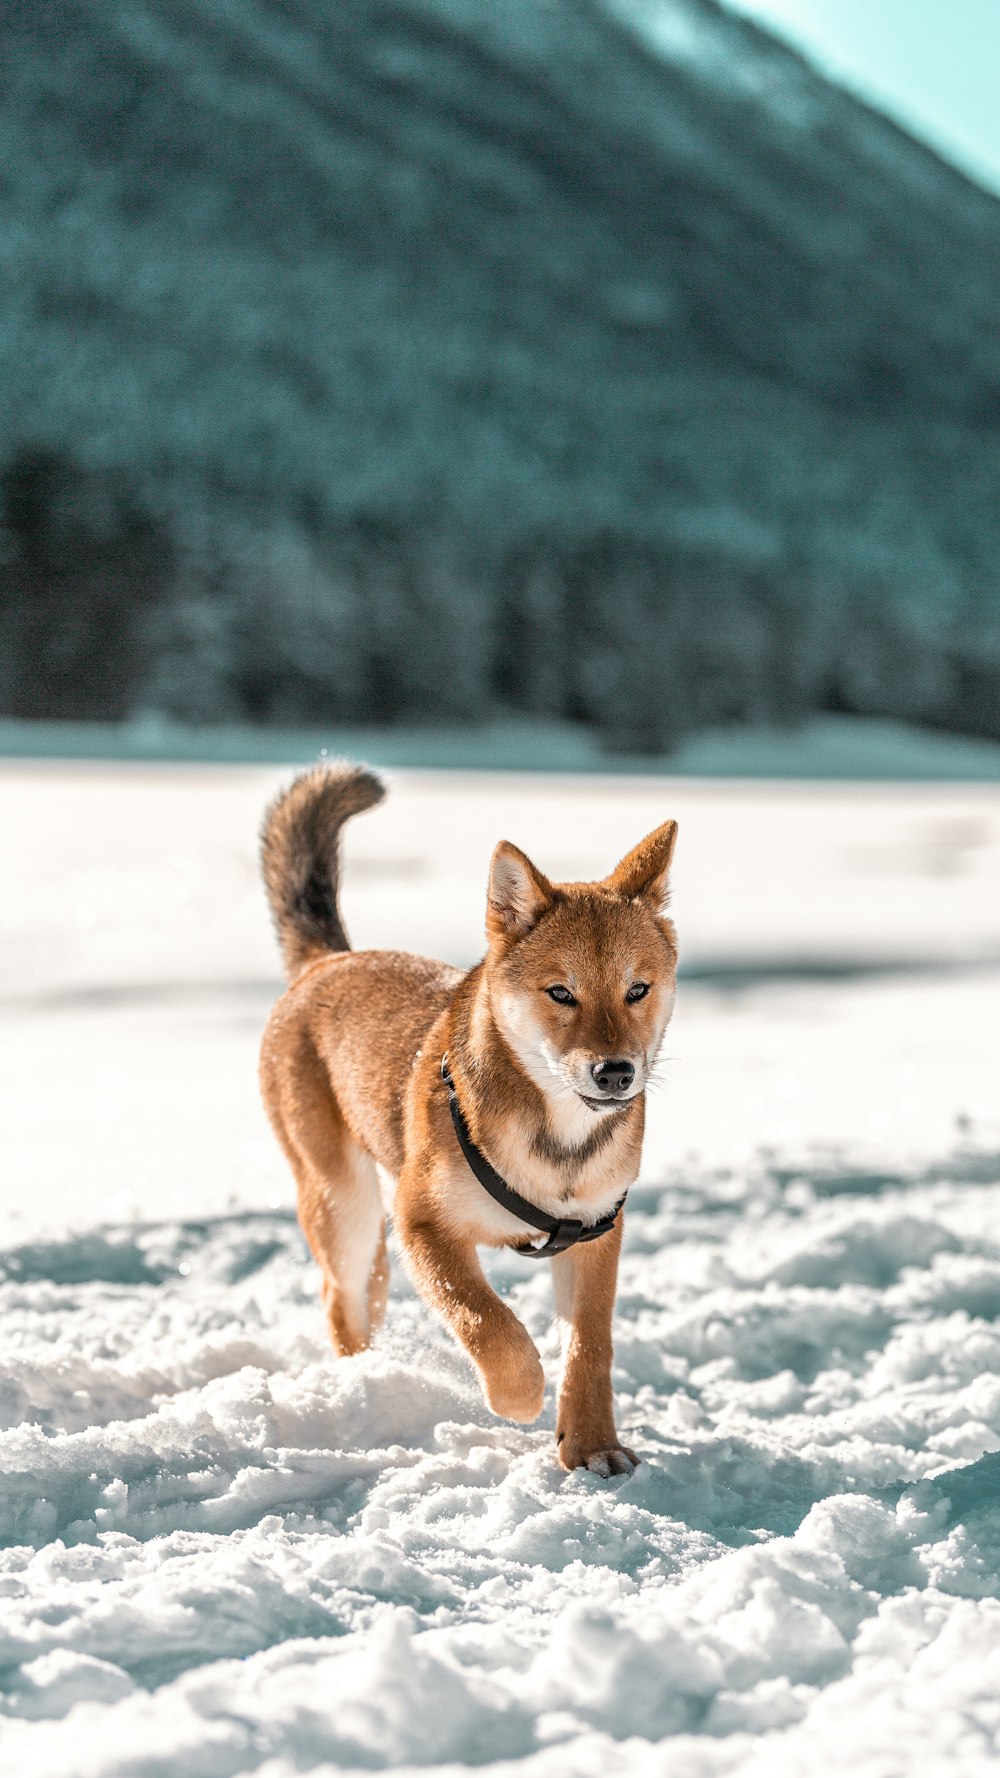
x: 637, y: 991
x: 560, y: 995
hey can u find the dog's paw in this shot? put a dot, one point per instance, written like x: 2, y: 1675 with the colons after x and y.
x: 516, y: 1389
x: 618, y: 1461
x: 612, y: 1460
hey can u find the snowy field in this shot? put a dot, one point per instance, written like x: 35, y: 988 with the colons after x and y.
x: 224, y: 1554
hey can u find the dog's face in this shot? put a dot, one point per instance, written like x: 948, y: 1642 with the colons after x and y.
x: 582, y: 974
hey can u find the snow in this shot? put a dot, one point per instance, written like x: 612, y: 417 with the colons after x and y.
x: 225, y: 1554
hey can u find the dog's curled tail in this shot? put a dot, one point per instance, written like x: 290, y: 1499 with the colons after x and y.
x: 300, y: 857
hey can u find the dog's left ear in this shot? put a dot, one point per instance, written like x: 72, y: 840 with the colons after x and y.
x: 645, y: 870
x: 518, y: 893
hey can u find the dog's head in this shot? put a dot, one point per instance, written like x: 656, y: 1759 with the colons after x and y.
x: 581, y: 975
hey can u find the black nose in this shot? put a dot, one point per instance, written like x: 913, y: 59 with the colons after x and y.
x: 613, y: 1077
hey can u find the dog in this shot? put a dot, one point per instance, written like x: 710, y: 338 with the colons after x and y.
x: 523, y: 1076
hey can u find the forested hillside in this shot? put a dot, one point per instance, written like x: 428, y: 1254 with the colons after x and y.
x: 377, y: 359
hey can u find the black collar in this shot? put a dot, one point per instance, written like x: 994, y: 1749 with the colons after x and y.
x: 562, y: 1233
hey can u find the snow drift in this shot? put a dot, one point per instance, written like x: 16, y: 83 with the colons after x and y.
x: 226, y: 1554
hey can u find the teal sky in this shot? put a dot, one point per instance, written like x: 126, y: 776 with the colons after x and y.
x: 933, y: 65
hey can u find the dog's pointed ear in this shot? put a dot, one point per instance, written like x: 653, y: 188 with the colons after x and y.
x: 518, y: 893
x: 645, y: 871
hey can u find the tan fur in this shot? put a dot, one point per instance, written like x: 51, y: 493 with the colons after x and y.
x: 351, y: 1078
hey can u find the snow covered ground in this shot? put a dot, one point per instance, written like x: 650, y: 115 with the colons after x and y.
x: 225, y: 1554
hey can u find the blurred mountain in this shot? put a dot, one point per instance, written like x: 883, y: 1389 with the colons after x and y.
x: 404, y: 358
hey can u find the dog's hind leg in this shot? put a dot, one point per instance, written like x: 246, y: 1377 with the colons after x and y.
x: 344, y: 1223
x: 339, y: 1200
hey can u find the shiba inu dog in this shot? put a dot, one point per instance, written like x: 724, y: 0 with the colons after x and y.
x: 502, y: 1102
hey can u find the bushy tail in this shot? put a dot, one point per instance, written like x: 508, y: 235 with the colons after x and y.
x: 300, y: 857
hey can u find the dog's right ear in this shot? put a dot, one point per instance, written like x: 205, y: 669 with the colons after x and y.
x: 644, y: 872
x: 518, y: 893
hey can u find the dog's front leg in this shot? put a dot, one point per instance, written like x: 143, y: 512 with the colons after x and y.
x: 584, y: 1280
x: 447, y: 1273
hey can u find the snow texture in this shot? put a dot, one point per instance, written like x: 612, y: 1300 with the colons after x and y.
x: 224, y: 1553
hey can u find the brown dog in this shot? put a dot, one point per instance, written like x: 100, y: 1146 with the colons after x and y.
x: 550, y: 1041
